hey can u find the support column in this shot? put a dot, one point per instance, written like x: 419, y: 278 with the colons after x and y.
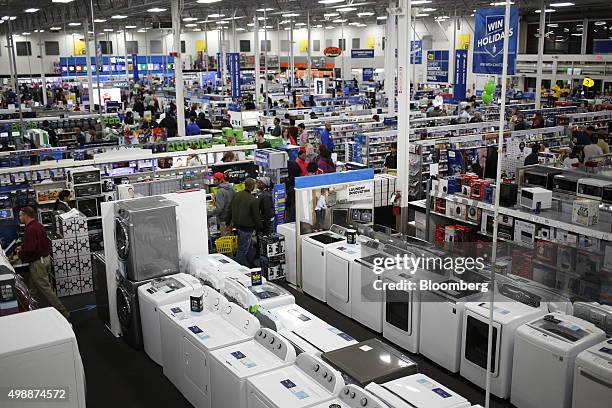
x: 390, y: 46
x: 257, y: 61
x: 585, y: 28
x: 266, y: 60
x: 205, y: 52
x: 178, y: 68
x: 403, y: 116
x: 223, y: 60
x: 11, y: 50
x: 10, y: 55
x: 89, y: 69
x: 309, y: 58
x: 234, y: 48
x: 500, y: 147
x: 538, y: 94
x: 291, y: 56
x: 43, y: 82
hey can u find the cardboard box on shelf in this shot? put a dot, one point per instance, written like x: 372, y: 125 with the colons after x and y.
x: 585, y: 212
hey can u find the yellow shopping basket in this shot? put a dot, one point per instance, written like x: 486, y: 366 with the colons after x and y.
x: 227, y: 245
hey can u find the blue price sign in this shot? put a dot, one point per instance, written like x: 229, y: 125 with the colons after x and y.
x: 437, y: 66
x: 368, y: 74
x: 489, y: 41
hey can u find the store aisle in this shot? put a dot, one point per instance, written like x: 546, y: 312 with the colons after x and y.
x: 117, y: 375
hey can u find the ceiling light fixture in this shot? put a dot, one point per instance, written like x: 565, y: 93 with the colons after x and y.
x: 330, y: 27
x: 100, y: 20
x: 577, y: 34
x: 600, y: 23
x: 130, y: 27
x: 346, y: 9
x: 331, y: 14
x: 287, y: 15
x: 261, y: 10
x: 300, y: 24
x: 339, y: 21
x: 190, y: 19
x: 62, y: 1
x: 191, y: 25
x: 499, y: 3
x: 330, y: 1
x: 566, y: 4
x: 422, y: 15
x: 365, y: 14
x: 427, y: 9
x: 222, y: 22
x: 74, y: 24
x: 545, y: 10
x: 24, y: 34
x: 119, y: 17
x: 417, y: 2
x: 108, y: 30
x: 55, y: 28
x: 207, y: 1
x: 216, y: 15
x: 381, y: 17
x: 31, y: 10
x: 553, y: 25
x: 156, y: 10
x: 240, y: 29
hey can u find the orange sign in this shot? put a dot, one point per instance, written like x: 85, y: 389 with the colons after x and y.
x: 332, y: 52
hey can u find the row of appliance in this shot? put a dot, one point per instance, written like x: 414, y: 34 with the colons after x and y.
x: 451, y: 327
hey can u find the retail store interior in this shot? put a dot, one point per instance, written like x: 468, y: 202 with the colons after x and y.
x: 314, y: 203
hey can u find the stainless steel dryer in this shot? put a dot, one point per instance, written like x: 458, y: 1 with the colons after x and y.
x: 146, y: 238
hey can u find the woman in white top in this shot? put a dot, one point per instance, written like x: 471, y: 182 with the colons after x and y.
x: 320, y: 210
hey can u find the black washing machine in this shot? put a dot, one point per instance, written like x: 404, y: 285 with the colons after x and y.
x: 128, y: 311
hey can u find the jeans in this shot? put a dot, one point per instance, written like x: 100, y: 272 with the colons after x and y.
x: 320, y: 218
x: 244, y: 253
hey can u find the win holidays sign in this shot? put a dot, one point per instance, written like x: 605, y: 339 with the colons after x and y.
x: 489, y: 41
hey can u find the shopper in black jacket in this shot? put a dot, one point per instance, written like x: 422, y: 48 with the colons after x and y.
x: 169, y: 123
x: 244, y: 216
x: 266, y: 204
x: 203, y: 122
x: 139, y: 107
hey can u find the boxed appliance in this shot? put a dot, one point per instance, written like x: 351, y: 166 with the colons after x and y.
x: 490, y: 193
x: 547, y: 233
x: 585, y: 212
x: 590, y: 243
x: 566, y: 237
x: 546, y: 251
x: 454, y: 184
x: 82, y: 175
x: 524, y: 232
x: 455, y: 210
x: 592, y: 188
x: 478, y: 189
x: 566, y: 258
x: 87, y: 190
x: 505, y: 228
x: 125, y: 191
x: 508, y: 194
x: 271, y: 245
x: 536, y: 198
x: 607, y: 195
x: 588, y: 263
x: 473, y: 213
x: 565, y: 184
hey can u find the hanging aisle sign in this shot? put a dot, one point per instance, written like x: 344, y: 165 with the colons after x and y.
x: 489, y: 41
x: 234, y: 70
x: 437, y: 66
x: 460, y: 75
x: 416, y: 54
x: 219, y: 65
x: 367, y: 74
x: 362, y: 53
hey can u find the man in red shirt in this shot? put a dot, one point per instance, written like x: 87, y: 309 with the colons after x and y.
x: 36, y: 250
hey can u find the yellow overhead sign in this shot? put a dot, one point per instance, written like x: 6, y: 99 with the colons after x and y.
x: 588, y: 82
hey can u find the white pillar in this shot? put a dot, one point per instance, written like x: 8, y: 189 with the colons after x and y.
x: 223, y: 59
x: 42, y: 70
x: 291, y: 56
x: 500, y: 146
x: 309, y: 58
x: 206, y: 52
x: 403, y: 115
x: 390, y: 46
x: 266, y: 59
x: 90, y: 90
x: 178, y: 68
x: 257, y: 61
x: 234, y: 48
x: 538, y: 94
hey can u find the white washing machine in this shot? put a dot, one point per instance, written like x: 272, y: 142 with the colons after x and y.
x: 417, y: 391
x: 288, y: 231
x: 39, y: 349
x: 173, y: 319
x: 231, y: 366
x: 402, y: 309
x: 156, y: 293
x: 593, y: 377
x: 442, y: 324
x: 352, y: 396
x: 545, y: 352
x: 200, y: 337
x: 339, y: 275
x: 508, y: 315
x: 268, y: 295
x: 314, y: 259
x: 307, y: 383
x: 287, y: 317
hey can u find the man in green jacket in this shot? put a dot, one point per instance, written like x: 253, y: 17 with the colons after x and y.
x: 243, y: 214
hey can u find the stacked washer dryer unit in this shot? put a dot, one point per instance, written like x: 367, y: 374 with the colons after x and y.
x: 417, y: 391
x: 310, y: 382
x: 508, y: 315
x: 593, y: 377
x: 314, y: 258
x: 402, y: 308
x: 545, y: 351
x: 198, y: 336
x: 159, y: 292
x: 147, y: 246
x: 231, y: 366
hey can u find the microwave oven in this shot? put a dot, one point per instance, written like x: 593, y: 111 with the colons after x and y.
x: 592, y: 188
x: 540, y: 176
x: 565, y: 183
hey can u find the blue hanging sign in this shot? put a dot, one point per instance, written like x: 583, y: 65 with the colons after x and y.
x: 219, y: 65
x: 460, y: 75
x: 489, y: 41
x: 437, y: 66
x: 279, y: 196
x: 367, y: 74
x: 364, y: 53
x: 234, y: 70
x: 416, y: 54
x: 135, y: 67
